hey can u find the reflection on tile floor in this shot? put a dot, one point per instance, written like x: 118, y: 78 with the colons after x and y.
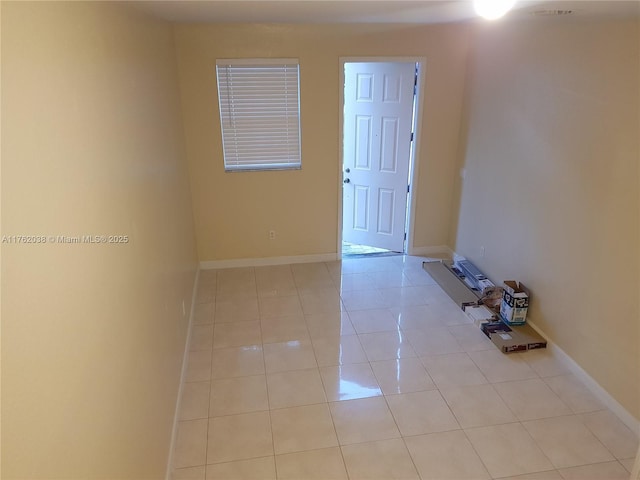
x: 365, y: 369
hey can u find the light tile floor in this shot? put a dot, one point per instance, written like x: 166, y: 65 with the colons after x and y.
x: 365, y: 369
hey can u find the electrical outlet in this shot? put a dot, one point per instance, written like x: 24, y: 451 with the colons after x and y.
x: 184, y: 310
x: 272, y: 234
x: 481, y: 252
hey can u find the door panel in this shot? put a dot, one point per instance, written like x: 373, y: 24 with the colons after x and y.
x: 364, y: 92
x: 360, y: 211
x: 378, y: 109
x: 386, y: 200
x: 389, y: 149
x: 363, y: 147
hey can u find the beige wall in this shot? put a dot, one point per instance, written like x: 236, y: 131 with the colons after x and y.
x: 234, y: 211
x: 551, y: 187
x: 92, y: 335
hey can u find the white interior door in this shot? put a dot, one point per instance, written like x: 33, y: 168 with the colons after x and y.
x: 378, y: 114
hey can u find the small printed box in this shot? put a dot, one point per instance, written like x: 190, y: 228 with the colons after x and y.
x: 515, y: 303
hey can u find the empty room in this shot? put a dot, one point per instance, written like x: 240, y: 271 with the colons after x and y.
x: 222, y: 222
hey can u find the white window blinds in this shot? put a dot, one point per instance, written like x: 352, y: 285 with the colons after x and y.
x: 259, y: 113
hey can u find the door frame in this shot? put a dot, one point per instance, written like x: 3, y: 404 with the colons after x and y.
x: 415, y: 151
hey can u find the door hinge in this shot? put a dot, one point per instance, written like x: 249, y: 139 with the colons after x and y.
x: 405, y: 235
x: 408, y: 188
x: 411, y: 137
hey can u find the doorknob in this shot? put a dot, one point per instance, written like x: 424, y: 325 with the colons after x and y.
x: 347, y: 170
x: 346, y: 180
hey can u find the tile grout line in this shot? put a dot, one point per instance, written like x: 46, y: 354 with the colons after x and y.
x: 402, y: 437
x: 333, y: 423
x: 273, y: 443
x: 266, y: 384
x: 206, y: 456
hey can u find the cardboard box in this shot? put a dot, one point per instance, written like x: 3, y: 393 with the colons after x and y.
x: 515, y: 303
x: 513, y: 339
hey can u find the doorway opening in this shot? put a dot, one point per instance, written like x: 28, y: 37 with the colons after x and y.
x: 379, y: 116
x: 353, y: 250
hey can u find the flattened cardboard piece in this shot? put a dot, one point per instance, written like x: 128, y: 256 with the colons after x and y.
x: 513, y: 338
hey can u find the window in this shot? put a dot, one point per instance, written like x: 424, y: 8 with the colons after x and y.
x: 259, y: 113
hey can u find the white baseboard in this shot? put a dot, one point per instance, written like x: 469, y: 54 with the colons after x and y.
x: 426, y: 251
x: 635, y: 472
x: 593, y: 386
x: 183, y: 373
x: 268, y: 261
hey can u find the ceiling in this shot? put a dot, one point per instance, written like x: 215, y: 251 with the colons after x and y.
x: 372, y: 11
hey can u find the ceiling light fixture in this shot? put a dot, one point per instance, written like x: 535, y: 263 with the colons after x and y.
x: 492, y: 9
